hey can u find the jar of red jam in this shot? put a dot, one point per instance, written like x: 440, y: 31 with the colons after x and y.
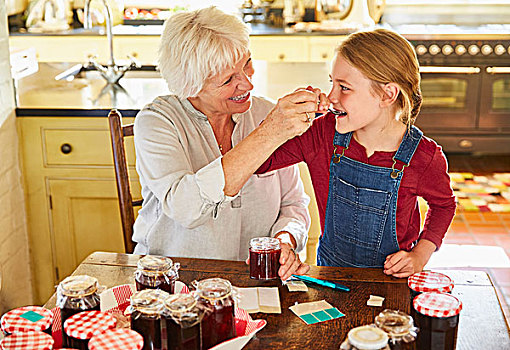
x: 437, y: 316
x: 156, y: 272
x: 27, y: 318
x: 76, y: 294
x: 218, y: 324
x: 81, y: 327
x: 429, y: 281
x: 264, y: 258
x: 117, y: 339
x: 399, y: 327
x: 183, y: 314
x: 146, y: 311
x: 33, y: 340
x: 365, y: 338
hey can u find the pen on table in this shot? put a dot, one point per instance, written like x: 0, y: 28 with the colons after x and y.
x: 320, y: 282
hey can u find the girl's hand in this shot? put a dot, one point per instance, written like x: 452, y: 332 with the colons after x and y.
x: 404, y: 264
x: 290, y: 263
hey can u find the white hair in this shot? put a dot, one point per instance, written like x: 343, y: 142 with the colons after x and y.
x: 197, y: 45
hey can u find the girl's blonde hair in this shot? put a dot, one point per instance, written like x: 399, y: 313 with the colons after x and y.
x: 384, y: 56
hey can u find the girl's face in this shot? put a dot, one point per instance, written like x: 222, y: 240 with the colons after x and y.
x: 355, y: 105
x: 228, y: 92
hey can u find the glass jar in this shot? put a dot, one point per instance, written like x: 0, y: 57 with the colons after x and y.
x: 218, y: 325
x: 156, y: 272
x: 399, y: 327
x: 183, y: 314
x: 429, y: 281
x: 27, y: 318
x: 146, y: 310
x: 264, y: 258
x: 81, y: 327
x: 437, y: 316
x: 33, y: 340
x: 120, y: 338
x: 365, y: 338
x: 76, y: 294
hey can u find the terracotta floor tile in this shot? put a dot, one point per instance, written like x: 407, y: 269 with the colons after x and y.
x: 485, y: 239
x: 491, y: 217
x: 488, y: 229
x: 502, y: 241
x: 473, y: 217
x: 459, y: 239
x: 501, y: 276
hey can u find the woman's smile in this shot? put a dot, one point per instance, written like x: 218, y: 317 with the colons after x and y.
x: 241, y: 98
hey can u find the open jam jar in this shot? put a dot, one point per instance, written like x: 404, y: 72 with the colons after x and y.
x: 156, y: 272
x: 146, y: 310
x: 429, y: 281
x: 437, y: 315
x: 218, y: 325
x: 183, y: 314
x: 27, y: 318
x: 76, y: 294
x: 365, y: 338
x: 264, y: 258
x: 399, y: 327
x: 81, y: 327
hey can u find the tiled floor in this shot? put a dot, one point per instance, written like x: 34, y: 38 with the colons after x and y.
x: 484, y: 238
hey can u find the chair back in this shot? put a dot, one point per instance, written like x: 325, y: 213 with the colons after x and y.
x: 126, y: 203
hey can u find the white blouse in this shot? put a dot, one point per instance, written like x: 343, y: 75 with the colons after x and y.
x: 185, y: 212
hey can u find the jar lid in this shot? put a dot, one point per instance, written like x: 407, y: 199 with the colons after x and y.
x: 214, y: 288
x: 368, y: 338
x: 180, y: 303
x: 27, y: 318
x: 149, y: 301
x: 430, y: 281
x: 264, y: 243
x: 87, y: 323
x: 78, y: 286
x: 33, y: 340
x: 437, y: 304
x: 120, y: 338
x: 396, y: 323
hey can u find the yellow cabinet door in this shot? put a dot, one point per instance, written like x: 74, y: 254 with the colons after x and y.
x: 85, y: 218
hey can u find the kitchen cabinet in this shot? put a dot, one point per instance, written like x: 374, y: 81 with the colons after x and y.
x: 71, y: 196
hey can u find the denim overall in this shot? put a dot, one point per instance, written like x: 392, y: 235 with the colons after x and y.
x: 360, y: 228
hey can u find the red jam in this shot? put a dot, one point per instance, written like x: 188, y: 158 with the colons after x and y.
x: 156, y: 272
x: 264, y: 258
x: 74, y: 295
x: 146, y: 310
x: 218, y: 325
x: 183, y: 315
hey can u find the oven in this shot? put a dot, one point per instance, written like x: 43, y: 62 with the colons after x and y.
x: 466, y: 94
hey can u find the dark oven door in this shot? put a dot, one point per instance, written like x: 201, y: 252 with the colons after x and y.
x: 450, y: 97
x: 495, y: 99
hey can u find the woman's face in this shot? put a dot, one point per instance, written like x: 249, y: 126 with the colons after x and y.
x: 228, y: 92
x: 355, y: 105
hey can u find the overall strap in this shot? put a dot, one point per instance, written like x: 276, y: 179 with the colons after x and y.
x: 406, y: 150
x: 342, y: 141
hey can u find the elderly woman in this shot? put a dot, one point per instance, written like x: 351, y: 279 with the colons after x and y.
x: 189, y: 150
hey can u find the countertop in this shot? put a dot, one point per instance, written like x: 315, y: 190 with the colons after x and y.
x: 411, y: 32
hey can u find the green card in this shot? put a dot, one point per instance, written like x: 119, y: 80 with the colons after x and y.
x: 32, y: 316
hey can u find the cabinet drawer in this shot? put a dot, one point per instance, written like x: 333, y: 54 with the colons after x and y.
x: 495, y: 144
x: 81, y: 147
x: 279, y: 49
x: 323, y: 49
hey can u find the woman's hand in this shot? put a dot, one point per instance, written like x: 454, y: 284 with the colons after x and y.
x: 290, y: 263
x: 404, y: 264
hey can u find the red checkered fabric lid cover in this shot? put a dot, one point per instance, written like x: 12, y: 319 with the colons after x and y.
x: 437, y: 304
x: 33, y: 340
x: 26, y: 318
x: 430, y: 281
x: 120, y: 338
x: 87, y: 323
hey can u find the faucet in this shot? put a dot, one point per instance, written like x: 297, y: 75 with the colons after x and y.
x: 112, y: 72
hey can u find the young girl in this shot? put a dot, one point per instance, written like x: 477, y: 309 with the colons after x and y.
x: 369, y: 164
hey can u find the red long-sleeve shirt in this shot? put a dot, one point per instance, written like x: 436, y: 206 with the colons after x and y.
x: 426, y: 176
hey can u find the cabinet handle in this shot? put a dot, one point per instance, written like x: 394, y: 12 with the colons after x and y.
x: 66, y: 148
x: 465, y: 143
x: 281, y: 56
x: 324, y: 55
x: 449, y: 70
x: 498, y: 70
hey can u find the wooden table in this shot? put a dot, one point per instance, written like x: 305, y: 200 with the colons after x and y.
x: 482, y: 324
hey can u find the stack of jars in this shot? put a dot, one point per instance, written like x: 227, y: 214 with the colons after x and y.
x: 27, y: 327
x: 435, y: 310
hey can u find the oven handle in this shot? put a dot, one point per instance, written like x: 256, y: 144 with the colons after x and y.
x: 450, y: 70
x: 498, y: 70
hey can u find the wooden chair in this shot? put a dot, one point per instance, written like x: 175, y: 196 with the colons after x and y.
x: 126, y: 203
